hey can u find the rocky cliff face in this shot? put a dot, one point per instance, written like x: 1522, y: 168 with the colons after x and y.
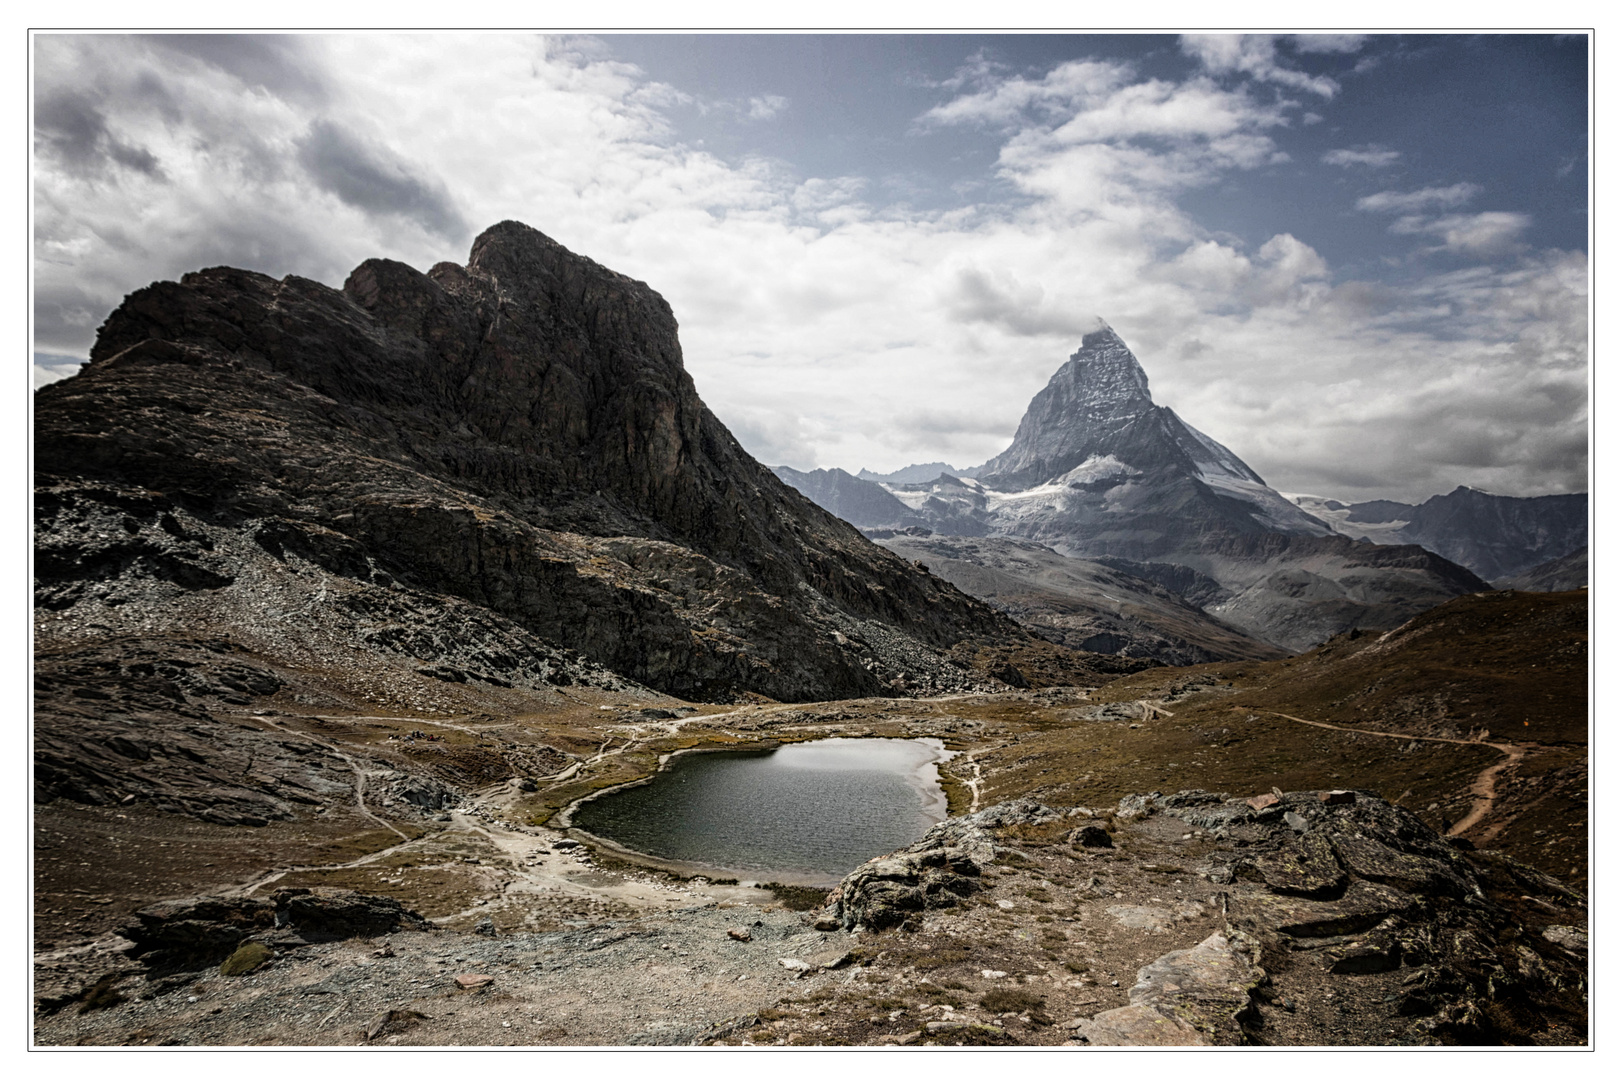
x: 514, y: 442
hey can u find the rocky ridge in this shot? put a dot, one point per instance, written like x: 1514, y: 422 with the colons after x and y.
x: 517, y: 434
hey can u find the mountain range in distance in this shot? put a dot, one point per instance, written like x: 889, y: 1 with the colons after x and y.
x: 1098, y: 472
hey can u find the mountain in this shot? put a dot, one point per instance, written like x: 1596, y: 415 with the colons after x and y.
x: 1082, y: 603
x: 480, y: 471
x: 860, y: 502
x: 1557, y: 575
x: 1097, y: 470
x: 915, y: 474
x: 1496, y: 536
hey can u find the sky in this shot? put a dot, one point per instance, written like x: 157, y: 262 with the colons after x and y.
x: 1359, y: 261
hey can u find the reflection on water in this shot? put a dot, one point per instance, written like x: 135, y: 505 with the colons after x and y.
x: 812, y: 810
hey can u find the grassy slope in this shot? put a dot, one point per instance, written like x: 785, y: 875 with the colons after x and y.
x: 1511, y: 664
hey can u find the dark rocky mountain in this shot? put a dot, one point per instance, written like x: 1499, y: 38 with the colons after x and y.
x: 1499, y: 535
x: 496, y: 472
x: 860, y: 502
x: 1376, y: 510
x: 1098, y: 470
x: 1557, y: 575
x: 1495, y: 536
x: 1082, y: 603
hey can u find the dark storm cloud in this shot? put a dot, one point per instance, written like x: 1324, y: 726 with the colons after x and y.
x: 368, y: 178
x: 71, y: 127
x: 275, y: 63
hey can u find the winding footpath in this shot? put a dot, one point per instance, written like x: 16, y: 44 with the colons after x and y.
x: 1483, y: 789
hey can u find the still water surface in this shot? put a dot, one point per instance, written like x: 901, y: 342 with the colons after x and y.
x: 808, y: 812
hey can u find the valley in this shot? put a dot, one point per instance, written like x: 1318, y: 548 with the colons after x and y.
x: 345, y: 599
x: 488, y: 856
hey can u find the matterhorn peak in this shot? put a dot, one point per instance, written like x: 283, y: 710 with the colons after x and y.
x: 1102, y: 377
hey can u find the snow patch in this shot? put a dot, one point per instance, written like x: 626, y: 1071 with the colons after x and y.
x: 1096, y: 468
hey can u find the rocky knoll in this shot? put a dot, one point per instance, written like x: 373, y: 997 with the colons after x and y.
x: 513, y: 444
x: 1342, y: 919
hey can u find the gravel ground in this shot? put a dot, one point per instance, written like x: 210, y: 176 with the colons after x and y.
x: 662, y: 980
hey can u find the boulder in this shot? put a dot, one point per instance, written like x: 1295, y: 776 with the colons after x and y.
x: 202, y: 932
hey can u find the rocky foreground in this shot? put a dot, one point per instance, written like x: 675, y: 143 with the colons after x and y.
x: 1308, y: 918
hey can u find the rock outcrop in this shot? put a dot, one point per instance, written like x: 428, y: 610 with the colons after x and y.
x: 1332, y: 896
x: 202, y: 932
x: 515, y: 441
x: 939, y: 871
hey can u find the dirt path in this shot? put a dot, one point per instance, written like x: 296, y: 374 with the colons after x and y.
x: 1483, y: 789
x: 539, y: 868
x: 360, y: 773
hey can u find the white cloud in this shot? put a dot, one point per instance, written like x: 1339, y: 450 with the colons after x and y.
x: 766, y: 106
x: 1256, y: 55
x: 1372, y: 155
x: 1070, y: 87
x: 1329, y: 43
x: 1492, y: 233
x: 1431, y: 198
x: 823, y: 326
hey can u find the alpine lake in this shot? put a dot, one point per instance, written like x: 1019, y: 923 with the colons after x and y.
x: 801, y: 813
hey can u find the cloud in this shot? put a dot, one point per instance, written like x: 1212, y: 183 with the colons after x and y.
x: 279, y: 64
x: 1373, y: 155
x: 1329, y: 43
x: 50, y: 368
x: 1071, y: 87
x: 1256, y: 55
x: 1407, y: 202
x: 1492, y: 233
x: 1000, y: 300
x: 766, y: 106
x: 371, y: 179
x: 70, y: 127
x: 823, y: 325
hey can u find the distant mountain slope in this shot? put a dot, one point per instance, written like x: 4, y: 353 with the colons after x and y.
x: 1557, y: 575
x: 1496, y: 536
x: 914, y: 474
x: 860, y: 502
x: 1081, y: 603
